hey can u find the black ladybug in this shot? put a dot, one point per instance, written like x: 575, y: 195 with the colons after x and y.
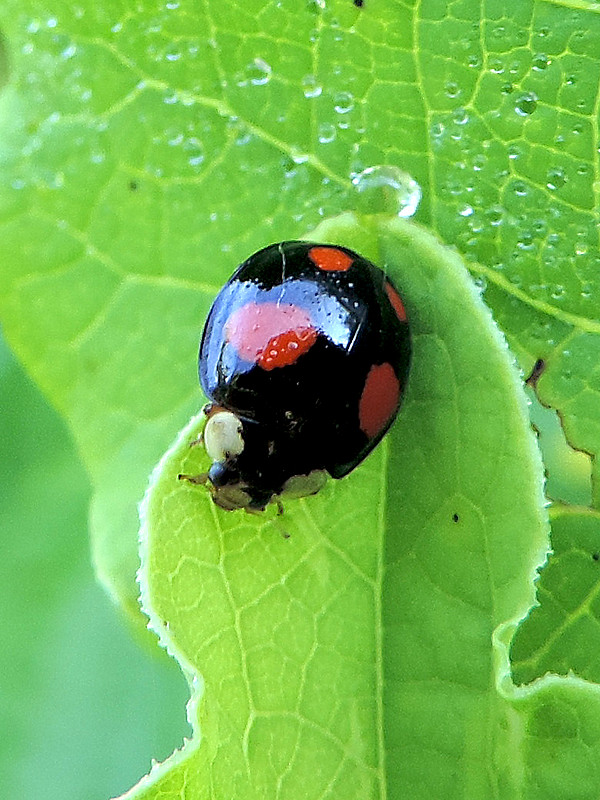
x: 304, y: 357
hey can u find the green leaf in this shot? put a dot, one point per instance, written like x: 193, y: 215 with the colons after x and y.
x: 147, y: 149
x: 356, y: 657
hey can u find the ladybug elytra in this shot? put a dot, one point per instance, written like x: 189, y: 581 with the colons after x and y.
x: 304, y: 358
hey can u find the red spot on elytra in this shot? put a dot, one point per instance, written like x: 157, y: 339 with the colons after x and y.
x: 396, y: 301
x: 270, y: 334
x: 379, y: 399
x: 330, y: 259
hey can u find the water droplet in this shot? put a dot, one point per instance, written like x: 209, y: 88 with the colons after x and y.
x: 460, y: 116
x: 326, y: 133
x: 507, y: 88
x: 556, y: 178
x: 310, y: 87
x: 452, y: 89
x: 437, y: 129
x: 520, y: 188
x: 344, y: 102
x: 258, y: 72
x: 387, y: 189
x: 526, y: 104
x: 299, y: 157
x: 540, y: 61
x: 494, y: 215
x: 69, y: 51
x: 466, y: 211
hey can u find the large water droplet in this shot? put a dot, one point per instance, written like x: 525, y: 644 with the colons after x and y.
x: 387, y: 189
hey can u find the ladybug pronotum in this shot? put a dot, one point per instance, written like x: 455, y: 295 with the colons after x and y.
x: 304, y: 359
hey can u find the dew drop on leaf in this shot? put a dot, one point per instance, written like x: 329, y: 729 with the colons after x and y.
x: 540, y: 61
x: 258, y: 72
x: 387, y: 189
x: 344, y: 102
x: 326, y: 133
x: 556, y: 178
x: 452, y: 89
x: 526, y: 104
x: 310, y: 87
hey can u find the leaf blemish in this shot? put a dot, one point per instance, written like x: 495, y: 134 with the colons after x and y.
x: 537, y: 370
x: 596, y: 556
x: 455, y: 517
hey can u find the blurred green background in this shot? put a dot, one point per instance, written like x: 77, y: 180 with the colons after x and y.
x: 83, y: 705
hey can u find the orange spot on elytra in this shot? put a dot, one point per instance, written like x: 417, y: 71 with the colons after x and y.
x: 396, y: 301
x: 379, y: 399
x: 330, y: 259
x: 270, y: 334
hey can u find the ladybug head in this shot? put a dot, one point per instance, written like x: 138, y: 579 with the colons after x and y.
x: 224, y: 443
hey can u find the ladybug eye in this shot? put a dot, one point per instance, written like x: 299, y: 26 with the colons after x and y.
x: 223, y: 436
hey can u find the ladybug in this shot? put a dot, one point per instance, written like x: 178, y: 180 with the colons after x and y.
x: 304, y: 358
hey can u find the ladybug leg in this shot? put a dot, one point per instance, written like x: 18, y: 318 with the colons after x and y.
x: 198, y: 440
x: 197, y: 480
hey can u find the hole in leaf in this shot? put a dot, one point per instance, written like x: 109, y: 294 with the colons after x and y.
x: 568, y: 471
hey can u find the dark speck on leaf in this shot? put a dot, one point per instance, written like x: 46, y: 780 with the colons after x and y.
x: 537, y: 370
x: 596, y: 556
x: 359, y: 3
x: 133, y: 185
x: 454, y: 517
